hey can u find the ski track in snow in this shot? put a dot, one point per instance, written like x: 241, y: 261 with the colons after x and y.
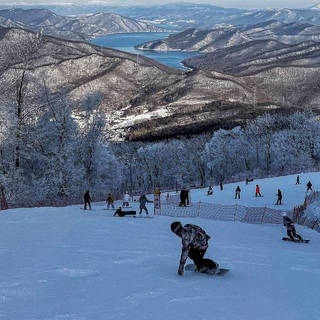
x: 67, y: 264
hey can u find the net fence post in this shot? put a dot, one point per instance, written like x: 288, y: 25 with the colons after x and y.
x: 263, y: 214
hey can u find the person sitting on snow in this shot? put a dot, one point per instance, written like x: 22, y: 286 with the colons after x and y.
x: 291, y: 230
x: 194, y: 246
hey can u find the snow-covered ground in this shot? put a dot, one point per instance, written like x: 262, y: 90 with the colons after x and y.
x: 292, y: 194
x: 71, y: 264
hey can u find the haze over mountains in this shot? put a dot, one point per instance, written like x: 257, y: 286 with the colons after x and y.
x: 186, y: 15
x: 82, y: 28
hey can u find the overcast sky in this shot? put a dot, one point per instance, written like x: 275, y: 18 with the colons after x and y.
x: 221, y: 3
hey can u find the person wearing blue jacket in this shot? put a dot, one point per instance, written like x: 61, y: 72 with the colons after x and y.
x: 143, y: 201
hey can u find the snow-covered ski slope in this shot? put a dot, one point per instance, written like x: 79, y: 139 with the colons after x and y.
x: 71, y: 264
x: 292, y: 194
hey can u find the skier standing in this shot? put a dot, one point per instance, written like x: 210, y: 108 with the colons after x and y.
x: 221, y: 186
x: 298, y: 180
x: 188, y: 199
x: 291, y: 230
x: 3, y: 200
x: 309, y: 186
x: 183, y: 197
x: 194, y: 246
x: 143, y: 201
x: 279, y: 194
x: 87, y: 200
x: 238, y: 190
x: 110, y: 199
x: 258, y: 191
x: 126, y: 200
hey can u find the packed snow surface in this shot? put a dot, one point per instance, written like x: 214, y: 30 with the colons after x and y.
x: 72, y: 264
x: 292, y: 194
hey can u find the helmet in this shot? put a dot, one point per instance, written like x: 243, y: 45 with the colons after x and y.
x: 175, y: 226
x: 284, y: 214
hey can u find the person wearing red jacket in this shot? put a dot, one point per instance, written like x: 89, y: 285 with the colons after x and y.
x: 258, y: 191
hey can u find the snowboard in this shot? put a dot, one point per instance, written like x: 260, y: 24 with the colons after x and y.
x: 193, y: 267
x: 140, y: 217
x: 295, y: 240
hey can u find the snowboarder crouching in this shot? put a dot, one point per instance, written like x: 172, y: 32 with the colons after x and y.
x: 194, y: 246
x: 87, y: 200
x: 291, y: 230
x: 121, y: 213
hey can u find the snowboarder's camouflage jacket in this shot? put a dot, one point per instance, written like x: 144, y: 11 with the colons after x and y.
x: 192, y: 237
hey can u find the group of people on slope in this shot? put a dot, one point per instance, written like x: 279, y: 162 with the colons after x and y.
x: 279, y: 193
x: 110, y: 202
x: 143, y: 206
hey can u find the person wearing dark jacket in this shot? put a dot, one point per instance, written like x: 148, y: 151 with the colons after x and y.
x: 309, y: 186
x: 143, y: 201
x: 279, y: 194
x: 87, y: 200
x: 291, y: 230
x: 238, y: 190
x: 298, y: 180
x: 194, y: 246
x: 121, y: 213
x: 183, y: 197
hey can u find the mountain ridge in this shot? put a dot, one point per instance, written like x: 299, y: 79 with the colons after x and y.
x: 143, y: 99
x: 81, y: 28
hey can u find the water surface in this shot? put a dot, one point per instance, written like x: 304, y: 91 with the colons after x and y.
x: 127, y: 42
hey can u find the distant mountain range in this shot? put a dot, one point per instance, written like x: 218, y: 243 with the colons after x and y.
x: 83, y: 27
x: 257, y: 56
x: 211, y: 40
x: 186, y: 15
x: 142, y: 99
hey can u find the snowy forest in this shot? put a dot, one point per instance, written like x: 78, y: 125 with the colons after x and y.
x: 51, y: 157
x: 53, y: 149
